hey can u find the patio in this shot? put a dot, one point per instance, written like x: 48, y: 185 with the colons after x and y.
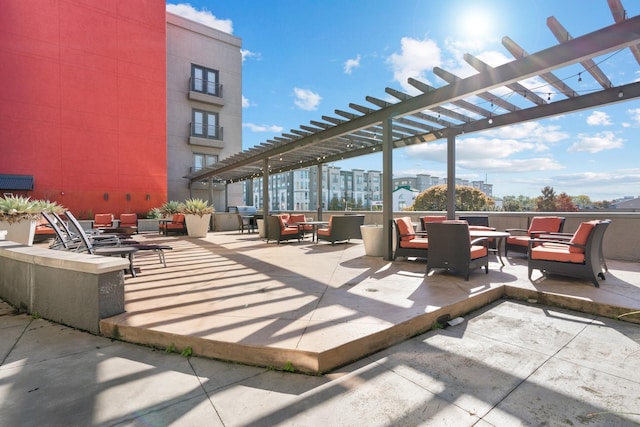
x: 314, y: 307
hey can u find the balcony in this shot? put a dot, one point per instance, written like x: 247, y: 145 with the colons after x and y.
x: 213, y: 137
x: 202, y: 91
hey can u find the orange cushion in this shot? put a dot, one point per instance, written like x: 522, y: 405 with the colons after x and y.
x: 324, y: 231
x: 101, y: 220
x: 406, y: 227
x: 177, y: 217
x: 434, y: 218
x: 128, y: 219
x: 289, y: 230
x: 518, y: 240
x: 417, y: 243
x: 581, y: 236
x: 283, y: 220
x: 478, y: 251
x: 545, y: 223
x: 296, y: 218
x: 552, y: 252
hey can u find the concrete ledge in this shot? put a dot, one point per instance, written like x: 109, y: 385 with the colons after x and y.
x: 69, y: 288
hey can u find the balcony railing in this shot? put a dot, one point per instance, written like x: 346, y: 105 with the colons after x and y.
x: 206, y: 87
x: 209, y: 132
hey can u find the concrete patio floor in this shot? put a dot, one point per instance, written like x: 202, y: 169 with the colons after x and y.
x: 514, y: 359
x: 314, y: 307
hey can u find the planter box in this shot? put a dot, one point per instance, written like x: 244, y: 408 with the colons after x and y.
x: 197, y: 226
x: 20, y: 232
x: 373, y: 240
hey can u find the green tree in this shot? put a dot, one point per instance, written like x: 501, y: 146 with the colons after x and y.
x: 582, y: 201
x: 517, y: 204
x: 335, y: 205
x: 546, y: 202
x: 467, y: 199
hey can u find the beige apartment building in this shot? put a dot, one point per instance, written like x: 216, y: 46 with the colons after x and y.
x: 204, y: 108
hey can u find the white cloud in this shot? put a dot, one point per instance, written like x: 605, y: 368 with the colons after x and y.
x: 245, y: 102
x: 203, y: 16
x: 262, y: 128
x: 595, y: 143
x: 247, y: 54
x: 415, y: 59
x: 533, y: 132
x: 350, y: 64
x: 599, y: 118
x: 306, y: 99
x: 635, y: 114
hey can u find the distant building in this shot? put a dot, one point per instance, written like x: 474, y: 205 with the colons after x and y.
x: 403, y: 197
x: 627, y: 203
x: 354, y: 189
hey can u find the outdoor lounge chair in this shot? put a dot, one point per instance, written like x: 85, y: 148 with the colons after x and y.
x: 580, y: 257
x: 176, y: 224
x: 102, y: 221
x: 430, y: 218
x: 451, y: 248
x: 341, y: 228
x: 519, y: 239
x: 128, y: 221
x: 279, y: 231
x: 408, y: 242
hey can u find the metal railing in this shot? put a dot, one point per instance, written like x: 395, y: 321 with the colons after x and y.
x: 206, y: 87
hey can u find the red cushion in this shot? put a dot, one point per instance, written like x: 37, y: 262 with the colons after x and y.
x: 518, y: 240
x: 177, y: 217
x: 128, y: 219
x: 434, y: 218
x: 296, y: 218
x: 324, y: 231
x: 561, y: 253
x: 406, y: 227
x: 550, y: 224
x: 283, y: 220
x: 581, y: 236
x: 417, y: 243
x: 478, y: 251
x: 289, y: 230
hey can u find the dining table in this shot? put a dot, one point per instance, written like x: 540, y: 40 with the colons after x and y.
x: 499, y: 236
x: 315, y: 225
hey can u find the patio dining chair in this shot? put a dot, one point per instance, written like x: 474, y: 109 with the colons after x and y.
x: 451, y: 248
x: 519, y: 239
x: 409, y: 243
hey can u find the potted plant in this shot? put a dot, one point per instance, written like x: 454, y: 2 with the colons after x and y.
x: 171, y: 207
x: 197, y: 214
x: 19, y: 215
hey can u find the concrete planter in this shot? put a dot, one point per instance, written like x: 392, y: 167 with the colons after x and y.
x: 373, y: 240
x: 197, y: 226
x: 20, y: 232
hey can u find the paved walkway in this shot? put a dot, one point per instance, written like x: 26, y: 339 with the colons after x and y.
x: 508, y: 363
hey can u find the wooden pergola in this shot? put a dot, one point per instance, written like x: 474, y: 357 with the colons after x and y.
x: 448, y: 111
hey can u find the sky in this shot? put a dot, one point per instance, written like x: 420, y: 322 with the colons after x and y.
x: 304, y: 59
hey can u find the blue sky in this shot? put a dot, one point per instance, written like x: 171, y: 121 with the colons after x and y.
x: 304, y: 59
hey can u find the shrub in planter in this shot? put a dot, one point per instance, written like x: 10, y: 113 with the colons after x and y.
x: 197, y: 214
x: 19, y: 215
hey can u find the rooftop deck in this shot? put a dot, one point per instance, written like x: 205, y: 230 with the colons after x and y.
x: 314, y: 307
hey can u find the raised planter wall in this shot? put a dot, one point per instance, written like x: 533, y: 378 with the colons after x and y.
x: 69, y: 288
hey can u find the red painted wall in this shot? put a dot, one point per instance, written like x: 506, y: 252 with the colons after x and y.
x: 83, y: 101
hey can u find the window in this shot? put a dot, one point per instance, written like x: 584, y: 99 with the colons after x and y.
x: 201, y: 161
x: 205, y: 125
x: 205, y: 80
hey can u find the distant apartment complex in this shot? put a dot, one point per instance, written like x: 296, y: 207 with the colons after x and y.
x: 341, y: 189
